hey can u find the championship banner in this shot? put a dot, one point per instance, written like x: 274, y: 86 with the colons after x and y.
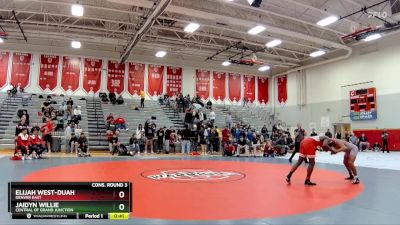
x: 48, y: 74
x: 263, y: 90
x: 136, y: 78
x: 249, y: 88
x: 92, y: 75
x: 155, y: 79
x: 4, y: 59
x: 115, y: 77
x: 235, y: 90
x: 282, y: 89
x: 203, y: 84
x: 174, y: 80
x: 71, y: 72
x: 21, y: 68
x: 219, y: 85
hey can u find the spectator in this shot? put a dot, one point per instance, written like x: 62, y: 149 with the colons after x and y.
x: 328, y: 133
x: 173, y: 139
x: 160, y: 140
x: 120, y: 123
x: 24, y: 113
x: 120, y: 100
x: 226, y: 134
x: 363, y: 143
x: 83, y: 150
x: 142, y: 97
x: 209, y: 104
x: 313, y: 133
x: 140, y: 135
x: 280, y: 127
x: 134, y: 145
x: 385, y: 141
x: 67, y: 134
x: 300, y: 133
x: 228, y: 120
x: 167, y: 139
x: 186, y: 135
x: 114, y: 142
x: 36, y: 144
x: 78, y: 130
x: 111, y: 126
x: 110, y: 117
x: 23, y: 143
x: 73, y: 143
x: 353, y: 139
x: 377, y: 147
x: 338, y: 135
x: 242, y: 145
x: 20, y: 126
x: 46, y: 130
x: 264, y: 131
x: 202, y: 139
x: 70, y: 102
x: 149, y: 131
x: 77, y: 114
x: 212, y: 117
x: 188, y: 117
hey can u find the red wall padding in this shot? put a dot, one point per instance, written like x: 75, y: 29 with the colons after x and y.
x: 375, y: 135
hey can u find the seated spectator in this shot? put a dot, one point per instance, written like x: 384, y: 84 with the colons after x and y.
x: 364, y: 143
x: 36, y: 145
x: 83, y: 149
x: 229, y: 149
x: 20, y: 126
x: 111, y: 126
x: 110, y: 117
x: 78, y: 130
x: 209, y: 104
x: 77, y: 114
x: 70, y: 102
x: 313, y: 133
x: 113, y: 98
x: 45, y: 105
x: 281, y: 147
x: 338, y: 135
x: 264, y: 132
x: 269, y: 150
x: 23, y: 113
x: 23, y: 143
x: 242, y: 145
x: 120, y: 100
x: 328, y: 133
x: 120, y: 123
x: 73, y: 143
x: 212, y: 117
x: 114, y: 142
x: 255, y: 143
x: 377, y: 147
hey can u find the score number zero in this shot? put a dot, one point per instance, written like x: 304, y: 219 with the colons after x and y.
x: 121, y: 195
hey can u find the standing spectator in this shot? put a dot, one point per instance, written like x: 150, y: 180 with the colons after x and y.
x: 142, y: 97
x: 173, y: 139
x: 212, y: 117
x: 228, y: 120
x: 188, y: 117
x: 353, y: 139
x: 67, y: 134
x: 168, y: 132
x: 160, y: 140
x: 149, y: 133
x: 226, y: 134
x: 313, y: 133
x: 385, y: 141
x: 328, y: 133
x: 202, y: 135
x: 298, y: 137
x: 47, y: 129
x: 363, y: 142
x: 186, y: 135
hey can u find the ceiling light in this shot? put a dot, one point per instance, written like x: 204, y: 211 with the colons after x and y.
x: 327, y: 21
x: 273, y: 43
x: 161, y: 54
x: 226, y: 63
x: 317, y: 53
x: 1, y: 40
x: 191, y: 27
x: 254, y: 3
x: 76, y: 44
x: 264, y: 68
x: 256, y: 30
x: 372, y: 37
x: 77, y: 10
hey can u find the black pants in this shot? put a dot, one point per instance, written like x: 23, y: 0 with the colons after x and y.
x: 39, y: 149
x: 142, y: 103
x: 296, y: 150
x: 385, y: 146
x: 160, y: 145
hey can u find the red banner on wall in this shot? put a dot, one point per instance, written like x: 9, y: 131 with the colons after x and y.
x: 48, y: 74
x: 174, y: 80
x: 4, y: 59
x: 155, y: 79
x: 21, y: 67
x: 282, y: 89
x: 263, y: 89
x: 92, y: 75
x: 235, y: 85
x: 249, y: 88
x: 71, y: 72
x: 219, y: 86
x: 203, y: 84
x: 115, y: 77
x: 136, y: 78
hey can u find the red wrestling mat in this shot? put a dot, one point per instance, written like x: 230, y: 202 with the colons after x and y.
x: 212, y: 190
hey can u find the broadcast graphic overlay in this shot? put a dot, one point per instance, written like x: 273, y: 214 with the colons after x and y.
x: 63, y: 200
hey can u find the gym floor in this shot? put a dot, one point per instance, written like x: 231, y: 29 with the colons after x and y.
x: 253, y: 191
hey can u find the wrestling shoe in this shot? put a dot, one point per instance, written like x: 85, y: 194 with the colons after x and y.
x: 309, y: 183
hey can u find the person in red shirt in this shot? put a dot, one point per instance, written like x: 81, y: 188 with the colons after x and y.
x: 23, y: 143
x: 110, y: 117
x: 308, y: 149
x: 47, y: 129
x: 121, y: 123
x: 226, y: 134
x: 36, y: 144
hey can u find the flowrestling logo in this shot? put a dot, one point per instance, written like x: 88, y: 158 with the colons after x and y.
x: 193, y: 175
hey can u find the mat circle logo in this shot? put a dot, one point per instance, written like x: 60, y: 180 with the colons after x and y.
x: 193, y: 175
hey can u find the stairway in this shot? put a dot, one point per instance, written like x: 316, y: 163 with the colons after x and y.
x: 96, y: 125
x: 174, y: 116
x: 9, y: 107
